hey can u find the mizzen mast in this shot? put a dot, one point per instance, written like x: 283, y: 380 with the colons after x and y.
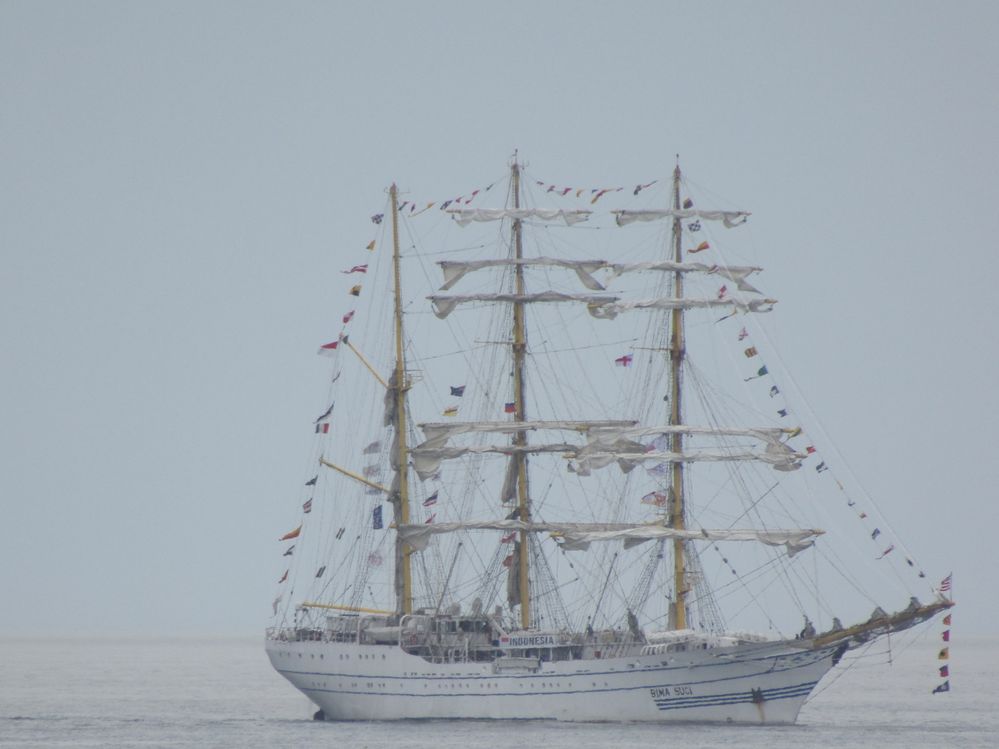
x: 677, y: 349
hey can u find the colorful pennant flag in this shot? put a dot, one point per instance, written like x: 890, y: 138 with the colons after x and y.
x: 291, y: 534
x: 376, y: 518
x: 451, y: 411
x: 694, y: 226
x: 774, y: 391
x: 944, y: 654
x: 750, y: 352
x: 946, y: 620
x: 320, y: 571
x: 371, y: 246
x: 887, y: 551
x: 323, y: 428
x: 348, y: 317
x: 283, y: 577
x: 377, y: 218
x: 508, y: 562
x: 431, y: 500
x: 508, y: 537
x: 624, y: 361
x: 688, y: 203
x: 430, y: 519
x: 307, y: 507
x: 355, y: 290
x: 356, y: 269
x: 743, y: 334
x: 945, y: 635
x: 510, y: 408
x: 821, y: 467
x: 700, y: 248
x: 946, y: 583
x: 457, y: 390
x: 944, y: 671
x: 312, y: 481
x: 945, y: 687
x: 290, y: 551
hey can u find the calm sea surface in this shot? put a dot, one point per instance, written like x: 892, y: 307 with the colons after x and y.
x: 222, y: 693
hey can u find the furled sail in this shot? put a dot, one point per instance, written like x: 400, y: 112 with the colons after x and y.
x: 465, y: 216
x: 608, y: 310
x: 444, y: 305
x: 578, y: 536
x: 737, y: 274
x: 454, y: 271
x: 728, y: 218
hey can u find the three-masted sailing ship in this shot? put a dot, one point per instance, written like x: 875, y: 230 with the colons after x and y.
x: 535, y: 500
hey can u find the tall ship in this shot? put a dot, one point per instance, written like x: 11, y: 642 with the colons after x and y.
x: 559, y: 474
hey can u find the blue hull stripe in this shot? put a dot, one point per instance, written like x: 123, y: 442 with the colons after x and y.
x: 733, y: 698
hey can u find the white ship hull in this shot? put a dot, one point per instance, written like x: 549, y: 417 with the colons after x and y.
x: 759, y: 683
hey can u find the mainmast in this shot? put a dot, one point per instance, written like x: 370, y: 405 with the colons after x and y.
x: 678, y: 608
x: 520, y: 413
x: 400, y: 456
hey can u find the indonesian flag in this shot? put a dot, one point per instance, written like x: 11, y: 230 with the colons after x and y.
x: 291, y: 534
x: 624, y: 361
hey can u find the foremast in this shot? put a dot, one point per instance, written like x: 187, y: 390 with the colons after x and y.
x: 400, y: 452
x: 521, y: 552
x: 677, y: 352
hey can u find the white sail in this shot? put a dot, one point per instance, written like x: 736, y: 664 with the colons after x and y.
x: 438, y: 433
x: 728, y: 218
x: 608, y: 310
x: 737, y: 274
x: 578, y: 536
x: 444, y: 305
x: 454, y: 271
x: 465, y: 216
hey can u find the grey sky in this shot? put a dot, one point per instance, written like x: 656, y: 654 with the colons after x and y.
x: 178, y: 178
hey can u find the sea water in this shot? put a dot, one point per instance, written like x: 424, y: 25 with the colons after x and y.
x: 183, y: 692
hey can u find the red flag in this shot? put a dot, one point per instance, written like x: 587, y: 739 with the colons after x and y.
x: 510, y: 408
x: 722, y: 292
x: 291, y: 534
x: 328, y: 349
x: 945, y: 636
x: 810, y: 449
x: 348, y: 317
x: 430, y: 519
x: 944, y: 671
x: 700, y: 248
x: 323, y: 428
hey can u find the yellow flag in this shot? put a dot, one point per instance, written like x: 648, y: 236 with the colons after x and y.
x: 371, y: 245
